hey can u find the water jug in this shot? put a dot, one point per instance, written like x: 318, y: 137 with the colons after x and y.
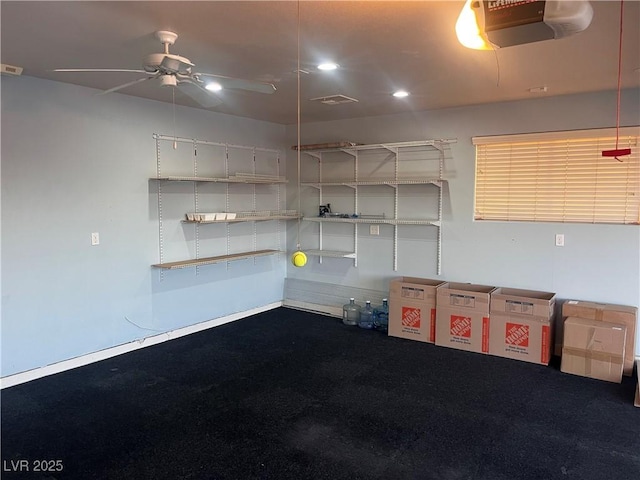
x: 381, y: 316
x: 366, y: 316
x: 351, y: 312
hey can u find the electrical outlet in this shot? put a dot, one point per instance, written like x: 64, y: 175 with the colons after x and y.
x: 95, y: 238
x: 559, y: 239
x: 374, y: 229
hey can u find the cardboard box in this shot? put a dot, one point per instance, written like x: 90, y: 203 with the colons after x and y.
x: 521, y: 324
x: 607, y: 312
x: 530, y: 303
x: 593, y: 349
x: 462, y: 316
x: 412, y: 308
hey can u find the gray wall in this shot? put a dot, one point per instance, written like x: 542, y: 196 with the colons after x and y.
x: 75, y: 163
x: 599, y: 262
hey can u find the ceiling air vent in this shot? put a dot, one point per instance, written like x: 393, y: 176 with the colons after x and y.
x: 334, y: 99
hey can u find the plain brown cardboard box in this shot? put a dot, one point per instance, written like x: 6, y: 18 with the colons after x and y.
x: 412, y: 308
x: 607, y: 312
x: 462, y: 316
x: 594, y: 349
x: 521, y: 325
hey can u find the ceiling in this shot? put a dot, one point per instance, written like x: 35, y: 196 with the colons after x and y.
x: 380, y: 45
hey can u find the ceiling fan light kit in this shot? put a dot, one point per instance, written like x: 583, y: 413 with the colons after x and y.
x: 168, y: 80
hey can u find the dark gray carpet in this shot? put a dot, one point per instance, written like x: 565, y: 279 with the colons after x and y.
x: 292, y: 395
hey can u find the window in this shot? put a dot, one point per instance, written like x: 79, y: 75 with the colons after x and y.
x: 558, y: 177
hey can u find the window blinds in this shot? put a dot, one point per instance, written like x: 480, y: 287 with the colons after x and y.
x: 558, y: 177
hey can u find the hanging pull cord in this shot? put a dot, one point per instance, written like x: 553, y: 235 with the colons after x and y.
x: 619, y: 79
x: 298, y: 124
x: 618, y: 152
x: 173, y: 102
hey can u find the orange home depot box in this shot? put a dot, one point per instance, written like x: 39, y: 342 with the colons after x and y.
x: 462, y: 316
x: 412, y: 308
x: 521, y: 338
x: 607, y: 312
x: 522, y: 324
x: 593, y: 349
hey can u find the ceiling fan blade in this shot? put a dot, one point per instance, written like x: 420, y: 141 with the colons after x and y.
x: 198, y: 93
x: 97, y: 70
x: 241, y: 84
x: 125, y: 85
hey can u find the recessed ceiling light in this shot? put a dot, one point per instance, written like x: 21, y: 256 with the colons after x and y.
x: 400, y: 94
x: 328, y: 66
x: 213, y: 86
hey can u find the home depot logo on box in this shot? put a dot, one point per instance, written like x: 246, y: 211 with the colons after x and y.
x: 460, y: 326
x: 517, y: 334
x: 411, y: 317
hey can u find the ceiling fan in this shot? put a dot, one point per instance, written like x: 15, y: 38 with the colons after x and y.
x: 176, y: 71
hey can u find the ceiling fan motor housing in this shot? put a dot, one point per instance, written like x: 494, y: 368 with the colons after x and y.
x: 167, y: 63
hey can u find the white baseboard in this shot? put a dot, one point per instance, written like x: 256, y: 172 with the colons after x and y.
x: 313, y: 307
x: 23, y: 377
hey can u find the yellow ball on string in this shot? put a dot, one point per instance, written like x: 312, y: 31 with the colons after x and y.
x: 299, y: 259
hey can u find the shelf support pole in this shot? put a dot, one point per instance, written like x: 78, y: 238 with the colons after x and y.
x: 319, y: 157
x: 160, y: 226
x: 226, y: 200
x: 195, y: 200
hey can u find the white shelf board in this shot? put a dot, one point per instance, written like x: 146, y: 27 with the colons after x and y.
x: 385, y: 221
x: 247, y: 180
x: 212, y: 260
x: 387, y: 146
x: 351, y: 183
x: 247, y: 219
x: 330, y: 253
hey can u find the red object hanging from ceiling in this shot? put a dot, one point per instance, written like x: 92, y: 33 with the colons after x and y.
x: 618, y: 152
